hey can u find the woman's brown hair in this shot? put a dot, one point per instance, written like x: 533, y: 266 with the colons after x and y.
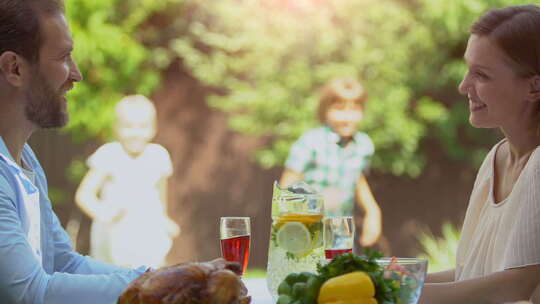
x: 339, y: 90
x: 516, y: 30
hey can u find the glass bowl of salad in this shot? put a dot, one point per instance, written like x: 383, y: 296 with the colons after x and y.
x: 409, y: 272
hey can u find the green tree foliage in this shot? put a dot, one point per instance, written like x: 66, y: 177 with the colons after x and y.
x: 112, y: 57
x: 267, y: 59
x: 272, y: 56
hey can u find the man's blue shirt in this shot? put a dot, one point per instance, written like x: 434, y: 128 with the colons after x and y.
x: 64, y: 276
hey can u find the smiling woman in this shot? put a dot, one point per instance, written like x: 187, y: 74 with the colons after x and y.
x: 495, y: 91
x: 498, y: 258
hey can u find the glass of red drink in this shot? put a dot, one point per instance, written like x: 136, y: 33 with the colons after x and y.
x: 235, y: 234
x: 338, y: 235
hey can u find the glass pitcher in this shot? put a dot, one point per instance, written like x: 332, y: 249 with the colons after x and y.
x: 296, y: 237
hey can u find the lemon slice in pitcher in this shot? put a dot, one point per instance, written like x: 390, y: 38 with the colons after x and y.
x: 294, y: 237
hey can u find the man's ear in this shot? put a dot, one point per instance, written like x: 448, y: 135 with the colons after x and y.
x: 534, y: 92
x: 11, y: 68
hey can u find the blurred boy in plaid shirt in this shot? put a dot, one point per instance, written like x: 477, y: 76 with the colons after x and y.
x: 332, y: 157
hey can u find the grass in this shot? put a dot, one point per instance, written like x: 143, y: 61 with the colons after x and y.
x: 255, y: 273
x: 440, y: 252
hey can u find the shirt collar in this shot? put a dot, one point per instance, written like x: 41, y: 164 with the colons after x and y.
x: 4, y: 150
x: 334, y: 137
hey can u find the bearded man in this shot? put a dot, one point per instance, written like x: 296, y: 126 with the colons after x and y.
x: 37, y: 261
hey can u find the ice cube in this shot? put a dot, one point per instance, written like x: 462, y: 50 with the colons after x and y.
x: 301, y: 188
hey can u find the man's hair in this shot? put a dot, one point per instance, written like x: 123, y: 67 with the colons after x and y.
x: 20, y: 26
x: 339, y: 90
x: 516, y: 30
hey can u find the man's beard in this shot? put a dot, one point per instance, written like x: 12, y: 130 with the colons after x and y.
x: 44, y: 105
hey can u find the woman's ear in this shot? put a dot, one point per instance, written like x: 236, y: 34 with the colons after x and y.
x: 534, y: 92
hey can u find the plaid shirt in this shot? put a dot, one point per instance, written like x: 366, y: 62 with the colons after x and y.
x: 324, y: 163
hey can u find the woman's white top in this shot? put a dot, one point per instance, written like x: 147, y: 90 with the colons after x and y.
x: 501, y: 235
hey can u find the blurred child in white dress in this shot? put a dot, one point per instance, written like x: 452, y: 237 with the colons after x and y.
x: 125, y: 191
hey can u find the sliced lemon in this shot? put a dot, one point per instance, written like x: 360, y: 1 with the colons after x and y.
x: 294, y: 237
x: 306, y: 219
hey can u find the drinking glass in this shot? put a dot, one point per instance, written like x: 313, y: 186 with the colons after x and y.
x: 235, y: 234
x: 338, y: 236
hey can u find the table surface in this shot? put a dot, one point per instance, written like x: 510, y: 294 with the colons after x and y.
x: 258, y: 291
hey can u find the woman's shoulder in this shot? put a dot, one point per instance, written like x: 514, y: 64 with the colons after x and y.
x: 488, y: 160
x: 534, y: 163
x: 536, y: 155
x: 486, y: 168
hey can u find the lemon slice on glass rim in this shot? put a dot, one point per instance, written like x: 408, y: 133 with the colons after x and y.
x: 295, y: 238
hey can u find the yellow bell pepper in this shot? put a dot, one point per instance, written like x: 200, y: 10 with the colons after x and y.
x: 351, y: 288
x: 356, y: 301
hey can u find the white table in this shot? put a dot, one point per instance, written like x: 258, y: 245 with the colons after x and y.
x: 258, y: 291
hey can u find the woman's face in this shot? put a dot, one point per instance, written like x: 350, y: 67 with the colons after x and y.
x: 497, y: 95
x: 344, y: 117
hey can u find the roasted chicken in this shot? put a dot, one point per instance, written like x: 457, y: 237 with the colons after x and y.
x: 215, y: 282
